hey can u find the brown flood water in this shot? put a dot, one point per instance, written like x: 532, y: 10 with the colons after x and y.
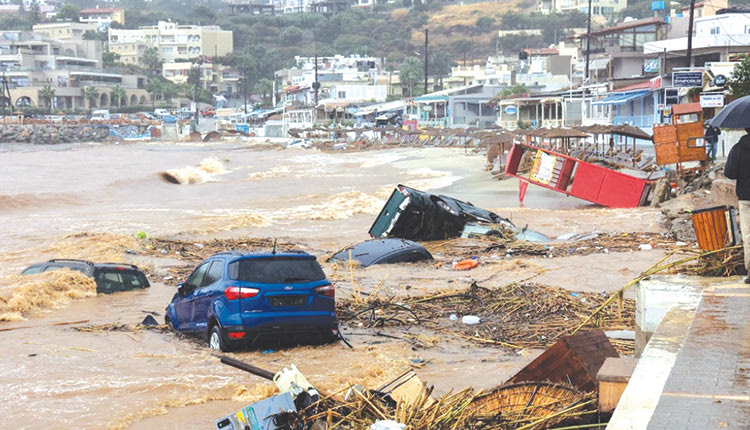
x: 89, y: 201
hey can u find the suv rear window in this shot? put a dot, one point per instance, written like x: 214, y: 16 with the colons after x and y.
x: 278, y: 270
x: 109, y: 281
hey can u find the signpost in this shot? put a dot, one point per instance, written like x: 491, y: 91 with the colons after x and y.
x: 688, y: 79
x: 712, y: 100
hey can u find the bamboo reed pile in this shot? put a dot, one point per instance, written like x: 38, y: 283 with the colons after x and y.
x: 530, y: 405
x: 515, y: 316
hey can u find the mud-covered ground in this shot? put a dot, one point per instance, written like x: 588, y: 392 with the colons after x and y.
x: 83, y: 359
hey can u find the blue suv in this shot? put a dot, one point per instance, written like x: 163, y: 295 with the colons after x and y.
x: 246, y: 298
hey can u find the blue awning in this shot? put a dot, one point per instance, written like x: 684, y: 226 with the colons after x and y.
x: 619, y: 98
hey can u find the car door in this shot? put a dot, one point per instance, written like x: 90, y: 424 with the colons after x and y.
x: 205, y: 294
x: 184, y: 308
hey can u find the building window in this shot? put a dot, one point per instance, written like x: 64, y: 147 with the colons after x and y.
x: 342, y: 94
x: 747, y: 29
x: 715, y: 30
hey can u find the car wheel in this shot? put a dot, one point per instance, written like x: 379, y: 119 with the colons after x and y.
x: 216, y: 340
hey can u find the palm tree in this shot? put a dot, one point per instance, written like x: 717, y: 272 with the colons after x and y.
x: 117, y: 94
x: 47, y: 94
x: 91, y: 94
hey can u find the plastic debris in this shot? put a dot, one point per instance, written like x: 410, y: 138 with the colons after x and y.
x: 387, y: 425
x: 470, y: 319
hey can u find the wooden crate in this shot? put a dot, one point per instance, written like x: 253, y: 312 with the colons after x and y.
x: 665, y: 145
x: 687, y: 133
x: 613, y: 377
x: 677, y: 143
x: 572, y: 360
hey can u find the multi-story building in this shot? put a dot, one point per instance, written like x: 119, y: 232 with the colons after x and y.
x: 64, y: 30
x: 600, y: 8
x: 30, y: 62
x: 103, y: 17
x: 721, y: 37
x: 171, y: 40
x: 214, y: 77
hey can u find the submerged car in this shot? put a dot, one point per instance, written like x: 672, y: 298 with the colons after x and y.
x: 109, y: 277
x: 383, y: 251
x: 236, y: 298
x: 416, y: 215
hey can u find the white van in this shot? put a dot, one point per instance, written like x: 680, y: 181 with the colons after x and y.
x: 161, y: 112
x: 100, y: 115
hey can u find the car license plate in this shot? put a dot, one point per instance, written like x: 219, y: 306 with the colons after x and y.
x: 279, y: 301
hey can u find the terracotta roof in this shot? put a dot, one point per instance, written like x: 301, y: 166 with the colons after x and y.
x: 686, y: 108
x: 639, y: 86
x: 100, y: 11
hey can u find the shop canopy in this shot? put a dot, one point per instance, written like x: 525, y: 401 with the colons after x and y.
x: 619, y: 98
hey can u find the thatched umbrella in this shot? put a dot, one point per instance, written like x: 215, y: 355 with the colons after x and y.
x: 564, y: 134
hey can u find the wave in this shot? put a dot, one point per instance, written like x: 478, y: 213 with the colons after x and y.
x: 206, y: 171
x: 44, y: 291
x: 36, y: 201
x: 341, y: 206
x: 229, y: 222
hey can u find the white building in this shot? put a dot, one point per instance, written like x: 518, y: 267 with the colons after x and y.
x: 716, y: 38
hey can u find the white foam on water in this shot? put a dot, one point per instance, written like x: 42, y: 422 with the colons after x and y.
x: 428, y: 179
x: 206, y: 171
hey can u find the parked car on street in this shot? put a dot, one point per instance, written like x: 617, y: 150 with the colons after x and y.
x: 236, y: 298
x: 208, y: 112
x: 168, y: 119
x: 109, y: 277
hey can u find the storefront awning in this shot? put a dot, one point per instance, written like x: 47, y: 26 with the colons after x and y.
x: 619, y: 98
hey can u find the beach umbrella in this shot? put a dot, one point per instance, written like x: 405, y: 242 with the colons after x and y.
x: 734, y: 115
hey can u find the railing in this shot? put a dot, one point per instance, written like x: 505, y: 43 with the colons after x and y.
x: 636, y: 121
x: 436, y: 122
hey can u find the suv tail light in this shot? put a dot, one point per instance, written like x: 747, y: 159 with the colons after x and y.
x: 235, y: 293
x: 326, y: 291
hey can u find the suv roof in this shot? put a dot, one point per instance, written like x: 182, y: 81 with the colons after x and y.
x: 263, y: 254
x: 109, y: 277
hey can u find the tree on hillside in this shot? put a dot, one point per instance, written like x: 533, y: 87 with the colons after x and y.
x: 47, y: 94
x: 152, y: 61
x: 110, y: 58
x: 464, y: 47
x: 35, y: 11
x: 91, y: 94
x: 116, y: 95
x: 411, y: 73
x: 69, y: 12
x: 485, y: 24
x: 740, y: 82
x: 264, y: 87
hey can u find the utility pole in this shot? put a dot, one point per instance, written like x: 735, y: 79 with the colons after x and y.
x: 690, y: 34
x: 426, y: 50
x: 316, y: 84
x: 588, y: 45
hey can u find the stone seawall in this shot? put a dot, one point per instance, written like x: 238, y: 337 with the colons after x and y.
x: 52, y: 133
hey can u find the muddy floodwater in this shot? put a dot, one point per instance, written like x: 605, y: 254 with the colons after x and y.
x: 63, y: 364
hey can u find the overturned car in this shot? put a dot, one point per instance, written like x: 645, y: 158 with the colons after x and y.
x: 417, y: 215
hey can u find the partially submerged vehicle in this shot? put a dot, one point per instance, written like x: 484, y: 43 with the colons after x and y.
x: 236, y: 298
x: 109, y: 277
x: 416, y: 215
x: 383, y: 251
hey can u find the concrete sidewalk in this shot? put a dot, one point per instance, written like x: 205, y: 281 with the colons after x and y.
x: 695, y: 370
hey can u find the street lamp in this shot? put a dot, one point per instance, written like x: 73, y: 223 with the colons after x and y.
x: 196, y: 83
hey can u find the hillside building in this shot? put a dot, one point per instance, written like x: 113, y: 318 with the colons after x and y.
x: 171, y: 40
